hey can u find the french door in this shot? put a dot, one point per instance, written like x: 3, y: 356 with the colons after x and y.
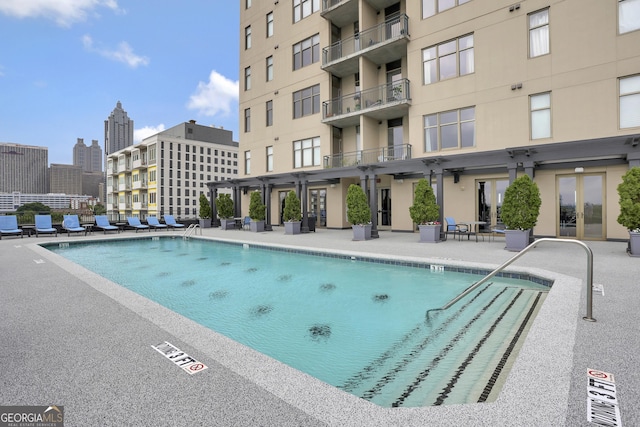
x: 580, y: 206
x: 384, y: 208
x: 489, y: 196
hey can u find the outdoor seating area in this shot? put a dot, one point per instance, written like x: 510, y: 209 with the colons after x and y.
x: 153, y: 222
x: 9, y: 226
x: 44, y: 226
x: 71, y: 224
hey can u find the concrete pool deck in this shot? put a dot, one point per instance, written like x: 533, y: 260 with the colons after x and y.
x: 75, y: 339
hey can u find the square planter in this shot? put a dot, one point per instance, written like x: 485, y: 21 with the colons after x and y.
x: 292, y: 227
x: 429, y: 233
x: 256, y: 226
x: 634, y: 244
x: 205, y: 223
x: 516, y: 240
x: 227, y: 223
x: 361, y: 232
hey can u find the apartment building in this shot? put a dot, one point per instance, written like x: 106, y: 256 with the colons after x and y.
x: 467, y: 93
x: 167, y: 172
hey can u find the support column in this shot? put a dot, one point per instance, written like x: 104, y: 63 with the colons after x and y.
x: 304, y: 227
x: 215, y: 221
x: 267, y: 196
x: 373, y: 205
x: 439, y: 172
x: 237, y: 205
x: 633, y: 159
x: 513, y: 172
x: 529, y: 169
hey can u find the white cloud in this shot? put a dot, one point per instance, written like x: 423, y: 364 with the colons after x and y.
x: 63, y: 12
x: 145, y: 132
x: 123, y: 54
x: 215, y: 96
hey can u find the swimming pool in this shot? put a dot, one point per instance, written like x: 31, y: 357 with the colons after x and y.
x: 394, y: 358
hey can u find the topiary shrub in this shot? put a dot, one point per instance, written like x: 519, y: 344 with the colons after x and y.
x: 224, y: 204
x: 629, y: 192
x: 256, y: 207
x: 521, y: 205
x: 205, y: 207
x: 292, y: 207
x: 358, y: 211
x: 424, y: 210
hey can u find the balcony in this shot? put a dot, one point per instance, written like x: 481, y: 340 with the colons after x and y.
x: 340, y: 12
x: 367, y: 157
x: 141, y: 163
x: 384, y: 102
x: 381, y: 44
x: 138, y: 206
x: 137, y: 185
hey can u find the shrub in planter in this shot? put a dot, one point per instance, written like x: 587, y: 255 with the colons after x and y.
x: 224, y: 204
x: 520, y: 211
x: 425, y: 212
x: 358, y: 212
x: 257, y: 211
x: 205, y: 212
x: 629, y: 217
x: 291, y: 213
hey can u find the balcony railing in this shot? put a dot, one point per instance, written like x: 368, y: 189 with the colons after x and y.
x: 326, y: 4
x: 374, y: 98
x: 365, y: 157
x: 394, y: 28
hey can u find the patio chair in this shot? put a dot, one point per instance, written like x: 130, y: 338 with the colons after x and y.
x: 102, y: 222
x: 498, y: 230
x: 246, y: 223
x: 155, y: 224
x: 9, y: 226
x: 43, y: 225
x: 171, y: 222
x: 457, y: 229
x: 71, y: 224
x: 135, y: 223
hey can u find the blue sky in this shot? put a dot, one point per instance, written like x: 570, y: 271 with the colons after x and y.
x: 64, y: 64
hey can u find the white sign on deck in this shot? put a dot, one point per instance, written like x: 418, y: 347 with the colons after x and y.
x: 179, y: 358
x: 602, y: 402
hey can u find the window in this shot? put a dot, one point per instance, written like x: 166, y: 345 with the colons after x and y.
x: 628, y: 16
x: 247, y: 119
x: 269, y: 68
x: 630, y: 102
x: 306, y: 152
x: 432, y: 7
x: 540, y: 115
x: 539, y: 33
x: 269, y: 113
x: 304, y: 8
x: 450, y: 129
x: 449, y: 59
x: 306, y: 101
x: 270, y: 159
x: 247, y: 4
x: 247, y: 37
x: 269, y: 24
x: 247, y: 163
x: 306, y: 52
x: 247, y: 78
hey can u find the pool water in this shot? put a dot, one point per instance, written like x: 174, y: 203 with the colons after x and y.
x: 357, y: 325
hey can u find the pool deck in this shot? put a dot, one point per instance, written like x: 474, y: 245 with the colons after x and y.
x: 75, y: 339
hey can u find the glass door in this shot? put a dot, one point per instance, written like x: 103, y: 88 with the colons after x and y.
x: 581, y: 206
x: 318, y: 206
x: 384, y: 207
x: 490, y: 195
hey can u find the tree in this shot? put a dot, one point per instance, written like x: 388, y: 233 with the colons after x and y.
x: 99, y: 209
x: 205, y: 207
x: 629, y: 192
x: 256, y: 207
x: 292, y: 207
x: 521, y: 205
x: 424, y: 209
x: 358, y: 211
x: 34, y: 207
x: 224, y: 203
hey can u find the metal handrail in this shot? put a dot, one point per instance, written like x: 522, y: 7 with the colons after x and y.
x: 588, y: 317
x: 190, y: 230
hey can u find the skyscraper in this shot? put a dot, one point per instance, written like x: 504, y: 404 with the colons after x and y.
x: 89, y: 158
x: 118, y: 130
x: 23, y: 168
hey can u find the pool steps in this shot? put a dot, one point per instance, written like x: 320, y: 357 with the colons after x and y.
x: 477, y: 350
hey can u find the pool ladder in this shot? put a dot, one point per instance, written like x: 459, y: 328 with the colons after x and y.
x: 588, y: 317
x: 191, y: 229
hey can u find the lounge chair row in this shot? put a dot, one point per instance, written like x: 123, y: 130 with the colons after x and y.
x: 71, y: 224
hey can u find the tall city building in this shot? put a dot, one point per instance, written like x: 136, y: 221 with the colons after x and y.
x: 88, y: 157
x: 23, y: 168
x: 118, y: 130
x: 65, y: 179
x: 469, y: 94
x: 167, y: 172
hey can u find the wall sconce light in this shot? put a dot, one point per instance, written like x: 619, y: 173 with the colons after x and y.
x: 333, y: 186
x: 456, y: 177
x: 399, y: 181
x: 276, y: 46
x: 516, y: 86
x: 514, y: 7
x: 276, y: 2
x: 579, y: 169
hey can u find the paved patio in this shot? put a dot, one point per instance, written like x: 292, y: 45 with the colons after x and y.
x: 75, y: 339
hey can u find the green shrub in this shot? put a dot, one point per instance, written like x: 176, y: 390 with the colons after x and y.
x: 629, y: 192
x: 292, y: 207
x: 424, y: 209
x: 521, y: 205
x: 358, y: 212
x: 205, y: 207
x: 224, y: 204
x: 256, y: 207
